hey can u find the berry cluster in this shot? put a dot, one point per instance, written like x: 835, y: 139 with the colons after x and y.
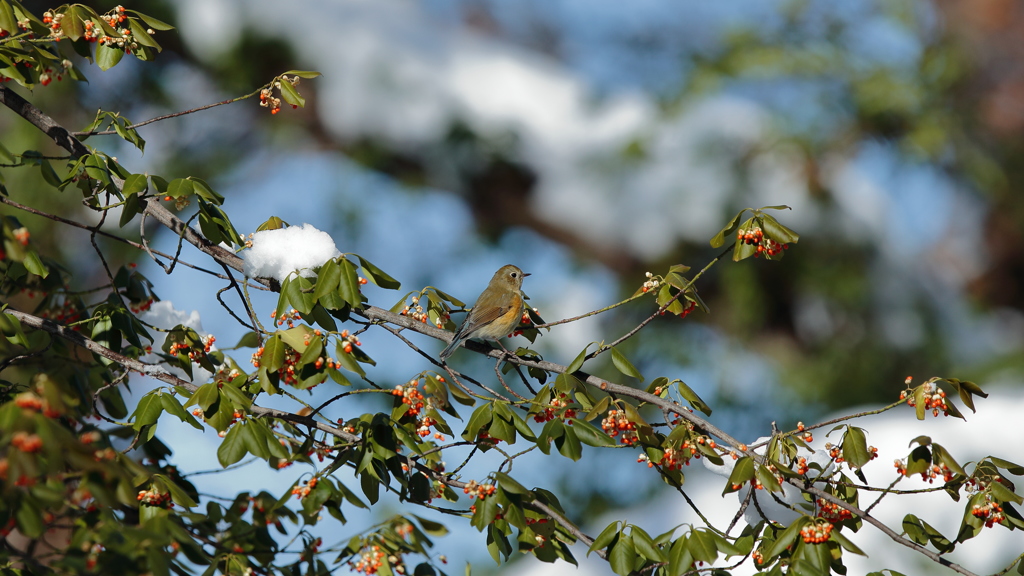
x: 291, y: 317
x: 557, y: 408
x: 141, y: 306
x: 990, y: 512
x: 302, y: 491
x: 817, y: 532
x: 673, y: 459
x: 350, y: 341
x: 321, y: 451
x: 929, y: 474
x: 28, y: 443
x: 193, y: 353
x: 154, y: 498
x: 33, y: 402
x: 934, y: 398
x: 107, y: 453
x: 415, y: 311
x: 650, y: 284
x: 832, y: 511
x: 836, y: 452
x: 21, y: 235
x: 423, y: 428
x: 411, y: 396
x: 616, y: 423
x: 806, y: 435
x: 94, y: 556
x: 755, y: 237
x: 370, y: 560
x: 801, y: 466
x: 267, y: 98
x: 477, y: 490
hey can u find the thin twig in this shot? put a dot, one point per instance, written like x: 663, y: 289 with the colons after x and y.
x: 168, y: 116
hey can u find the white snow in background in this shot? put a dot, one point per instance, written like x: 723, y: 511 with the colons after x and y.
x: 285, y: 251
x: 162, y: 314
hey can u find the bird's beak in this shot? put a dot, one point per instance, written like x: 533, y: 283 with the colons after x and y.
x: 525, y: 274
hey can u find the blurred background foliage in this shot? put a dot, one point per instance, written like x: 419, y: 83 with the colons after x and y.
x: 894, y: 128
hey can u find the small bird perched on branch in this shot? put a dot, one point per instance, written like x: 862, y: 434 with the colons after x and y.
x: 497, y: 311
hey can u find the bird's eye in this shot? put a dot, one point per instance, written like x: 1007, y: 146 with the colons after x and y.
x: 514, y: 274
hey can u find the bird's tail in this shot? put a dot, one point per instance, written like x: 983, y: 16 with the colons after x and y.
x: 451, y: 347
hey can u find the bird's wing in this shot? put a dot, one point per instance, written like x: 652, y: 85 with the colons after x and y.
x: 475, y: 321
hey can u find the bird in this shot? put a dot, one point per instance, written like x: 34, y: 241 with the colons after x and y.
x: 497, y: 311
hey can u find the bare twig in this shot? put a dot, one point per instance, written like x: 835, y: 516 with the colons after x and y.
x: 168, y: 116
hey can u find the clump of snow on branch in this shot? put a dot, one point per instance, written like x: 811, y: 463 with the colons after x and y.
x: 285, y: 251
x: 162, y: 314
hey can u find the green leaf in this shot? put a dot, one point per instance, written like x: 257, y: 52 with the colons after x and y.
x: 914, y: 530
x: 206, y: 396
x: 152, y: 22
x: 300, y: 73
x: 846, y: 543
x: 347, y: 361
x: 719, y: 240
x: 680, y: 559
x: 742, y: 473
x: 299, y: 294
x: 107, y: 57
x: 141, y: 36
x: 232, y: 449
x: 577, y: 363
x: 180, y: 187
x: 148, y: 410
x: 569, y: 444
x: 606, y: 537
x: 786, y: 538
x: 71, y: 24
x: 622, y: 555
x: 624, y: 365
x: 34, y: 265
x: 173, y: 407
x: 29, y: 519
x: 378, y: 276
x: 348, y: 284
x: 855, y: 447
x: 290, y: 94
x: 273, y: 354
x: 645, y: 545
x: 510, y: 485
x: 778, y: 232
x: 129, y: 209
x: 690, y: 396
x: 703, y: 547
x: 591, y: 435
x: 8, y: 22
x: 1004, y: 494
x: 180, y: 497
x: 204, y: 191
x: 327, y: 279
x: 768, y: 479
x: 1015, y: 469
x: 236, y: 396
x: 49, y: 175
